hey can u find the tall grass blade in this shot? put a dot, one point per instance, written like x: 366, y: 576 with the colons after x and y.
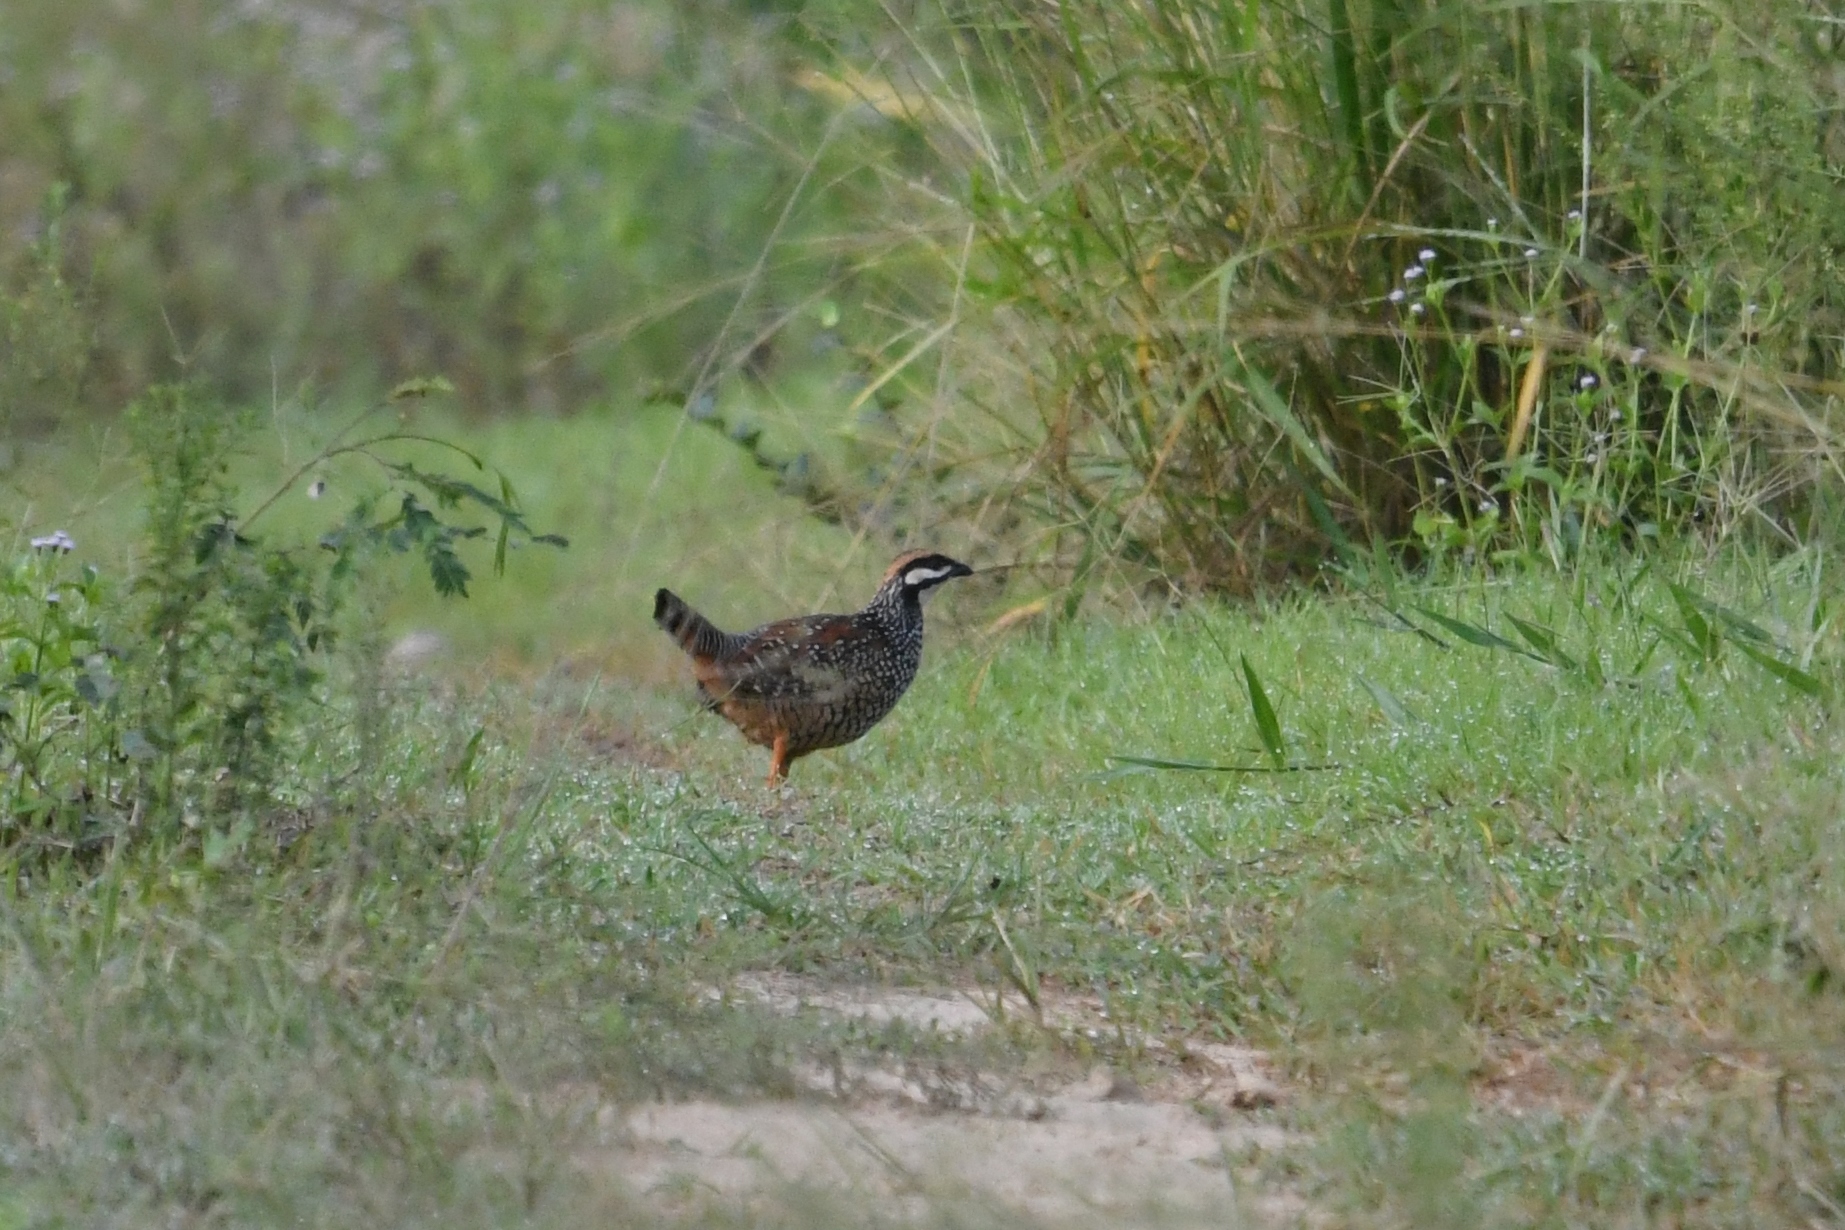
x: 1705, y: 641
x: 1267, y: 400
x: 1473, y: 634
x: 1345, y: 86
x: 1544, y: 640
x: 1786, y: 672
x: 1388, y: 704
x: 1267, y: 724
x: 1133, y: 763
x: 1732, y: 621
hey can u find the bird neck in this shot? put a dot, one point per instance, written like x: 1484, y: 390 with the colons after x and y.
x: 896, y: 604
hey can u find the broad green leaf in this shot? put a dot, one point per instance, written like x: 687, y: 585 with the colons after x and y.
x: 1267, y: 725
x: 1476, y: 635
x: 1544, y: 640
x: 1786, y: 672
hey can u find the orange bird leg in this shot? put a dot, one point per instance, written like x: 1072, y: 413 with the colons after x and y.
x: 778, y: 761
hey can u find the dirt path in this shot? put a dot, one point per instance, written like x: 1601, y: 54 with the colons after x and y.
x: 1093, y: 1150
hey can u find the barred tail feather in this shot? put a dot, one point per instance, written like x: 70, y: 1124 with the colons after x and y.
x: 696, y: 635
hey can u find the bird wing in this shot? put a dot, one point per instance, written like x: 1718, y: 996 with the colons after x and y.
x: 791, y: 660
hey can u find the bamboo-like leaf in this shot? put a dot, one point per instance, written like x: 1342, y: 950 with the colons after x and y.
x: 1200, y: 766
x: 1544, y: 640
x: 1267, y: 724
x: 499, y: 547
x: 1786, y: 672
x: 1388, y: 703
x: 1703, y: 637
x: 1731, y: 620
x: 1403, y: 622
x: 1473, y: 634
x: 1269, y: 402
x: 463, y: 773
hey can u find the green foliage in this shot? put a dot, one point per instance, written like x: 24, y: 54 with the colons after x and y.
x: 1624, y: 882
x: 543, y: 201
x: 1484, y: 282
x: 192, y: 702
x: 60, y: 700
x: 1267, y: 725
x: 226, y: 642
x: 44, y: 332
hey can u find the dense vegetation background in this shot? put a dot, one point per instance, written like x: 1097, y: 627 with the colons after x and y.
x: 1207, y: 290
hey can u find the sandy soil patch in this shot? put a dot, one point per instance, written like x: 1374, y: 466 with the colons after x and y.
x: 1095, y: 1150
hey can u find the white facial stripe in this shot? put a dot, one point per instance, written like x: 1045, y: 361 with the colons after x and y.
x: 915, y: 578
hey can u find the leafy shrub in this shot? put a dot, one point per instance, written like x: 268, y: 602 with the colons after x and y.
x: 59, y: 707
x: 197, y: 697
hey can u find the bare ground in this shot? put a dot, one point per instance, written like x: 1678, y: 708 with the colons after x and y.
x: 1092, y: 1148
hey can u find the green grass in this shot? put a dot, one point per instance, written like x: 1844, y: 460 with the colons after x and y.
x: 411, y: 1012
x: 1567, y: 830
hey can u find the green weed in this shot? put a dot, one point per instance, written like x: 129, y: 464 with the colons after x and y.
x: 185, y: 701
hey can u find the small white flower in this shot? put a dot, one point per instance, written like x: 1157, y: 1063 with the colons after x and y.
x: 1748, y: 309
x: 1426, y: 256
x: 1531, y: 254
x: 1588, y: 380
x: 1417, y: 309
x: 1614, y: 416
x: 1397, y: 295
x: 53, y: 598
x: 1441, y: 480
x: 1518, y: 333
x: 1489, y: 505
x: 1575, y: 215
x: 1492, y: 224
x: 1592, y: 458
x: 57, y: 541
x: 1412, y: 273
x: 1636, y: 354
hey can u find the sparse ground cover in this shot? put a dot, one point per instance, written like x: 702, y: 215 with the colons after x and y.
x: 1538, y: 930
